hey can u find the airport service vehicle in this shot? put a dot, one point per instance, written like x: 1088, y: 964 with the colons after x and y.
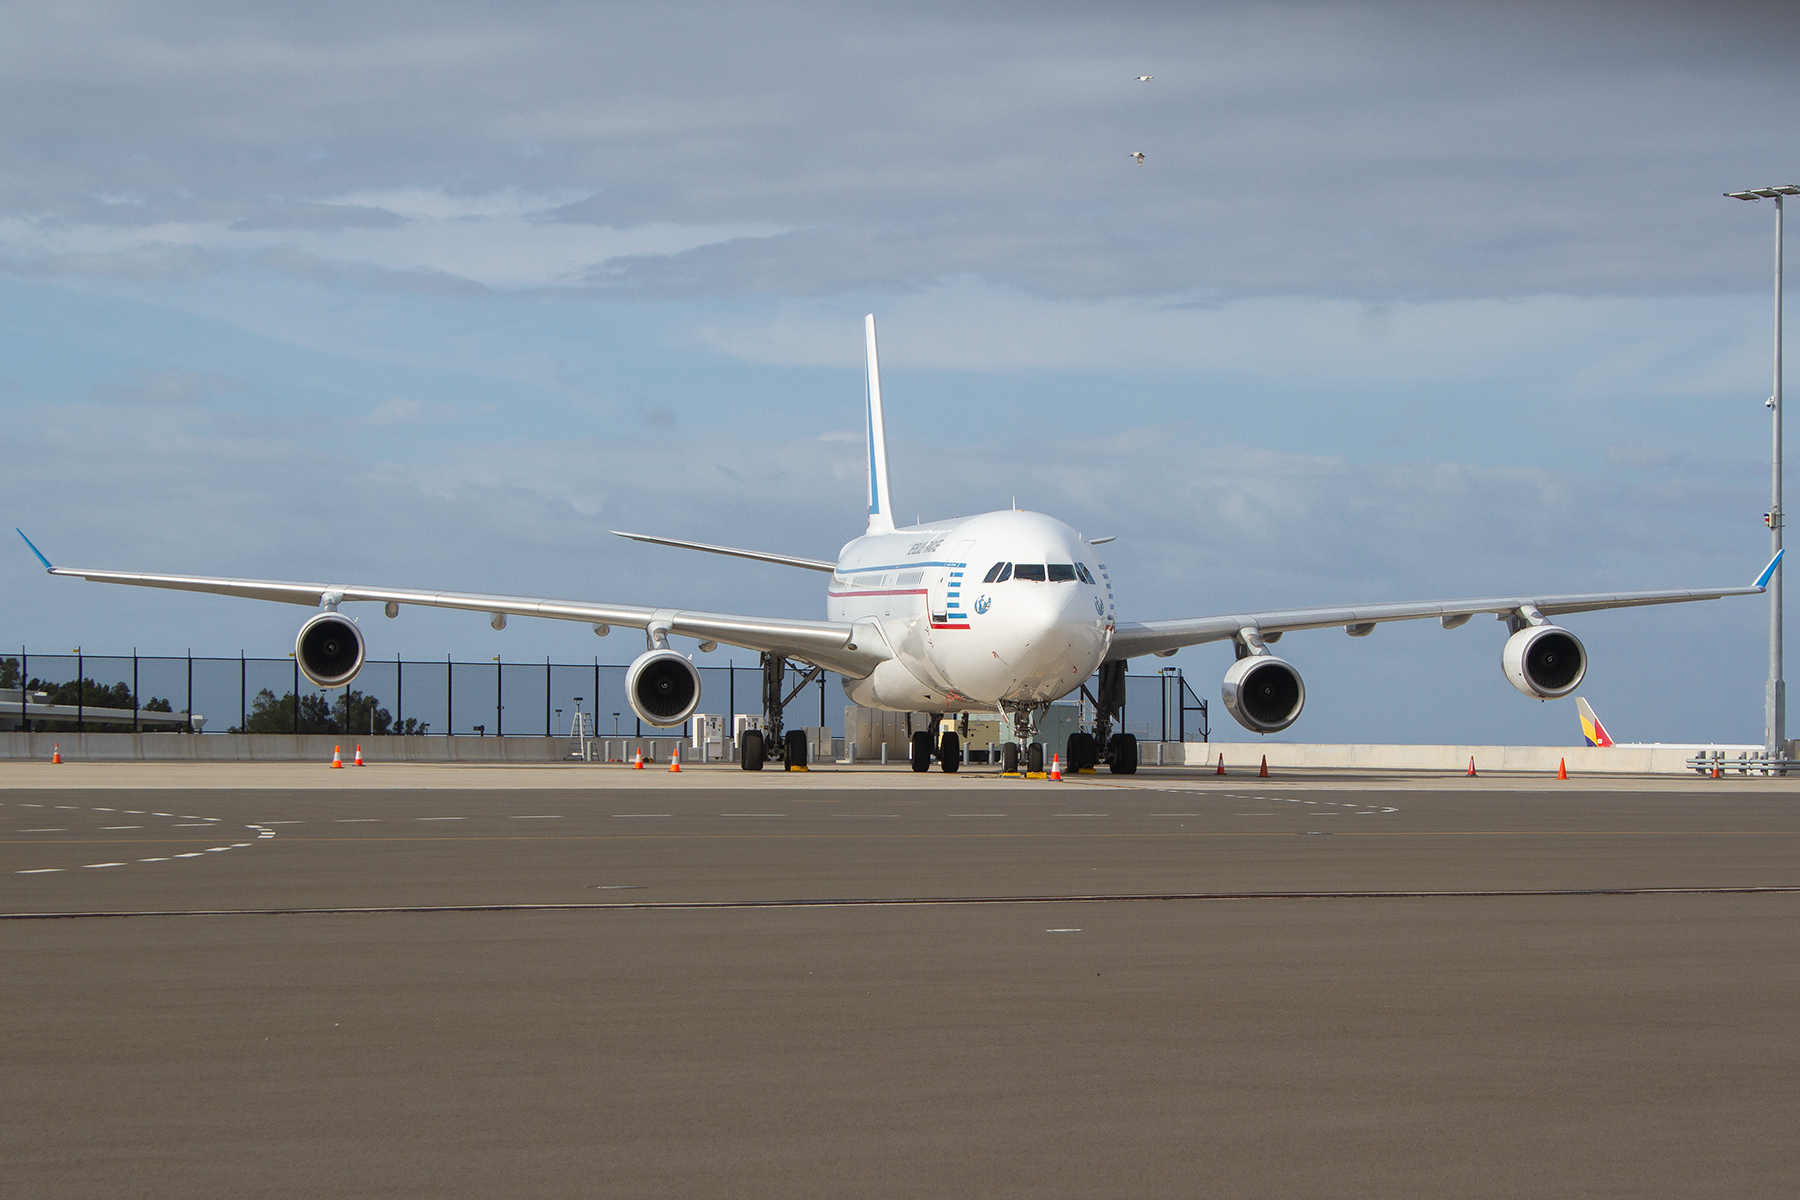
x: 1005, y: 611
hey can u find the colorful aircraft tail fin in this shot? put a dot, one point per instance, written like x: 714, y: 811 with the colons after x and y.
x: 881, y: 517
x: 1591, y: 728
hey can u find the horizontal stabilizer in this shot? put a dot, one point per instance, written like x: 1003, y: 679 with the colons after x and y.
x: 785, y: 560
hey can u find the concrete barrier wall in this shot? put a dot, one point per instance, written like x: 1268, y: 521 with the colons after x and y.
x: 1636, y: 760
x: 1239, y: 756
x: 285, y: 747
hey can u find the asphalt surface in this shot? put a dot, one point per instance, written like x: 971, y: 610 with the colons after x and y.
x: 1182, y: 988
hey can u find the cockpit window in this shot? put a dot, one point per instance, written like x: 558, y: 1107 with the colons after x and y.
x: 1081, y: 572
x: 1032, y: 571
x: 1062, y: 572
x: 997, y: 573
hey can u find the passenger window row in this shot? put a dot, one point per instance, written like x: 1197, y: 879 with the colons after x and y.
x: 1000, y: 572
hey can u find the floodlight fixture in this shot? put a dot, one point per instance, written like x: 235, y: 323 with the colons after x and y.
x: 1766, y: 193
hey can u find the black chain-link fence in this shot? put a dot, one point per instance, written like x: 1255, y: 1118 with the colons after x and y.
x: 122, y: 693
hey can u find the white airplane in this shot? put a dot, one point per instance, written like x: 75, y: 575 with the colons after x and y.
x: 1005, y: 611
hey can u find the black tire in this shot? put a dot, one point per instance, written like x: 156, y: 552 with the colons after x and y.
x: 751, y: 750
x: 1034, y: 758
x: 795, y: 749
x: 950, y: 753
x: 1009, y: 758
x: 1081, y: 752
x: 1124, y: 754
x: 921, y: 751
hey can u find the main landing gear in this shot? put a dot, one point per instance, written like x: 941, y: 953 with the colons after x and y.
x: 1118, y: 750
x: 928, y: 744
x: 769, y: 744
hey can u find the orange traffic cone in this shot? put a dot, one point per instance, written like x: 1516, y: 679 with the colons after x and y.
x: 1056, y: 767
x: 1562, y: 768
x: 337, y: 758
x: 358, y: 761
x: 637, y: 764
x: 675, y: 760
x: 56, y: 753
x: 1471, y: 766
x: 1264, y: 773
x: 1221, y: 769
x: 1717, y: 774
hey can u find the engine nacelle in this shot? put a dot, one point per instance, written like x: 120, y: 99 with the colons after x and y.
x: 1263, y: 693
x: 663, y: 687
x: 329, y: 650
x: 1544, y: 661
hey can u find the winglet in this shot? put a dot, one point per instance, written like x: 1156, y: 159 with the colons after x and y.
x: 34, y: 549
x: 1762, y: 581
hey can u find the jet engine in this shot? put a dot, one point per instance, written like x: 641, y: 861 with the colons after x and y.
x: 1544, y: 661
x: 1263, y: 693
x: 663, y: 687
x: 329, y: 650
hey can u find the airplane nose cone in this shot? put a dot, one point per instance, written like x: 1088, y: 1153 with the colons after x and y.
x: 1059, y: 639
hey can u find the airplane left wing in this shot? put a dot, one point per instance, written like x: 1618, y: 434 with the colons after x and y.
x: 851, y: 650
x: 1133, y: 638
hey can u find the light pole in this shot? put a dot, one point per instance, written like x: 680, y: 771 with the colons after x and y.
x: 1775, y: 702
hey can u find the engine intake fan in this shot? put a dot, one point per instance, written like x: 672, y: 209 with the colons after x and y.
x: 1544, y: 661
x: 330, y: 650
x: 663, y: 687
x: 1263, y: 693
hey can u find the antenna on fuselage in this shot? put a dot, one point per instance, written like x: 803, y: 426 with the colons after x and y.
x: 881, y: 516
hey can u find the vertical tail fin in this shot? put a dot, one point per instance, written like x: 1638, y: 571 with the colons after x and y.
x: 881, y: 517
x: 1591, y: 728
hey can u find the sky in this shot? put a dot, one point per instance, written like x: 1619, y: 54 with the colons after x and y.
x: 1403, y: 302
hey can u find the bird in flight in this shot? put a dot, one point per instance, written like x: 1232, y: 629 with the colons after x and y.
x: 1145, y: 78
x: 1137, y: 154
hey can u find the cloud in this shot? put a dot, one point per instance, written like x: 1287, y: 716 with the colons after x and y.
x: 1393, y: 152
x: 309, y: 215
x: 177, y: 388
x: 149, y: 262
x: 321, y: 270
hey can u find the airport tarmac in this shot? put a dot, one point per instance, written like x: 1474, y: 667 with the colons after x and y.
x: 541, y: 981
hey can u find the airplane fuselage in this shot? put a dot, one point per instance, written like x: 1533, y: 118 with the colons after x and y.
x: 1008, y: 607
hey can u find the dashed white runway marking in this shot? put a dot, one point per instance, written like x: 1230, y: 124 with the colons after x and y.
x: 440, y: 818
x: 68, y: 807
x: 94, y: 866
x: 537, y: 817
x: 975, y: 814
x: 191, y: 854
x: 59, y: 829
x: 153, y: 860
x: 753, y: 814
x: 162, y: 814
x: 1062, y: 931
x: 116, y: 828
x: 1078, y: 814
x: 106, y: 810
x: 197, y: 825
x: 349, y: 820
x: 42, y: 871
x: 618, y: 815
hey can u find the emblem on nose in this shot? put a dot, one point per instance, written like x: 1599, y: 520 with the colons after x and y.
x: 982, y: 603
x: 1099, y: 608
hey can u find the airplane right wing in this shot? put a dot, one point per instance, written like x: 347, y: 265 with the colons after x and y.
x: 1163, y: 638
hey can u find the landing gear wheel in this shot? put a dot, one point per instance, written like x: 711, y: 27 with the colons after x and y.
x: 1009, y: 758
x: 1081, y: 752
x: 950, y: 752
x: 921, y: 751
x: 752, y: 750
x: 1124, y: 754
x: 796, y: 749
x: 1034, y: 758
